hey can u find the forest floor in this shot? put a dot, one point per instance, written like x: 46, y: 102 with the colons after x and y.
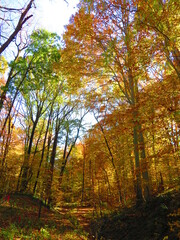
x: 157, y: 220
x: 19, y: 220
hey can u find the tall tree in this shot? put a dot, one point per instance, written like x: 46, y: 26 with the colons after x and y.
x: 108, y: 49
x: 40, y: 84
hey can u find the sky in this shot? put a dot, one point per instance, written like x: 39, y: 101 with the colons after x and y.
x: 54, y: 14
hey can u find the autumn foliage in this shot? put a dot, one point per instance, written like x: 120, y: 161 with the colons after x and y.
x: 117, y: 63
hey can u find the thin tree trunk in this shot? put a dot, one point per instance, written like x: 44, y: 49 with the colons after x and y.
x: 99, y: 199
x: 139, y: 195
x: 112, y: 161
x: 109, y: 193
x: 144, y: 166
x: 35, y: 151
x: 92, y: 189
x: 67, y: 155
x: 25, y: 167
x: 82, y: 198
x: 43, y: 150
x: 52, y: 161
x: 25, y: 150
x: 7, y: 142
x: 154, y: 152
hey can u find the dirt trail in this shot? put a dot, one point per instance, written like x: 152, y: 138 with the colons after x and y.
x: 79, y: 216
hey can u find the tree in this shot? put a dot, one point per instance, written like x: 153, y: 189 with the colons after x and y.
x: 23, y: 18
x: 109, y: 50
x: 38, y: 85
x: 162, y: 19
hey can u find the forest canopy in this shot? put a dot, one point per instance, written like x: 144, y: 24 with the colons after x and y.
x: 117, y: 62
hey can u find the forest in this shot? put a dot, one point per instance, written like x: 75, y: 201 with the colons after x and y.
x: 116, y: 66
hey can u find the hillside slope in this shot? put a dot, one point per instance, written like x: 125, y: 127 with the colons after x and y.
x: 158, y: 219
x: 19, y: 220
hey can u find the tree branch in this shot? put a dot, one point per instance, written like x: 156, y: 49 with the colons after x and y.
x: 20, y: 23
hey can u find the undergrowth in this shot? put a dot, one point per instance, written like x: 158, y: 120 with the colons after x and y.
x: 157, y: 219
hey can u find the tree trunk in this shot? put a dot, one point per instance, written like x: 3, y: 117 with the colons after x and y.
x: 8, y: 139
x: 144, y: 166
x: 139, y: 195
x: 82, y: 197
x: 52, y: 161
x: 43, y: 150
x: 112, y: 161
x: 109, y: 193
x: 66, y: 155
x: 25, y: 167
x: 35, y: 151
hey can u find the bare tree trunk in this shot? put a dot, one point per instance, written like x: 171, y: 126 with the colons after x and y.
x: 83, y: 180
x: 7, y: 142
x: 92, y: 188
x: 25, y: 150
x: 25, y: 167
x: 30, y: 171
x: 109, y: 193
x: 99, y: 199
x: 43, y: 150
x: 112, y: 161
x: 154, y: 151
x: 144, y: 166
x: 139, y: 195
x: 52, y: 161
x: 67, y: 155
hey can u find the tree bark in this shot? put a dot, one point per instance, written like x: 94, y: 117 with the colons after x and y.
x: 43, y: 150
x: 144, y: 166
x: 83, y: 179
x: 139, y: 195
x: 52, y: 161
x: 25, y: 167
